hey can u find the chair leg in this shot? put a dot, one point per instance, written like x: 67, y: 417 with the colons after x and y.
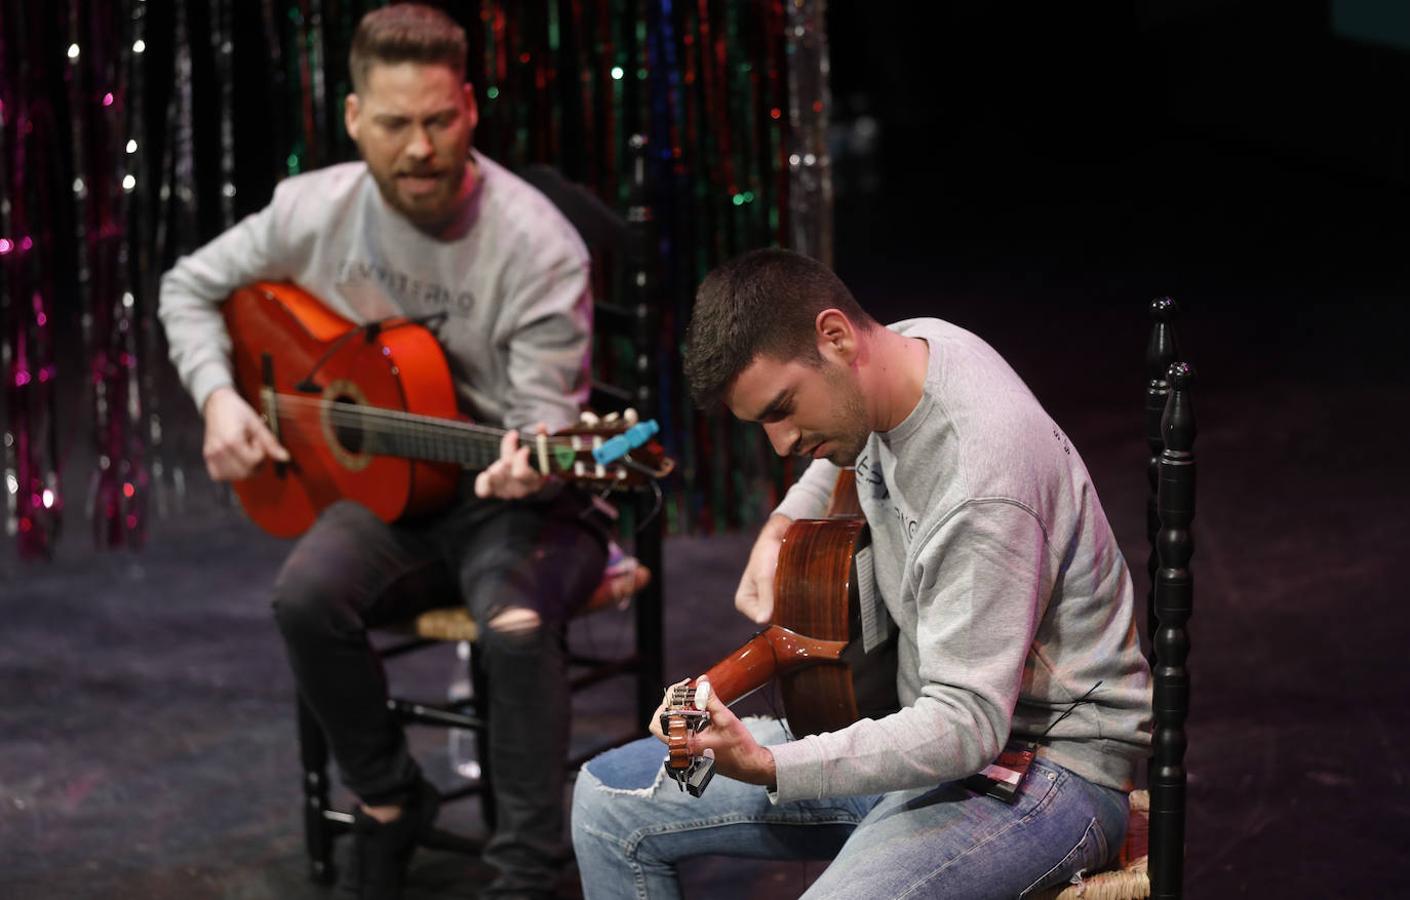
x: 649, y: 625
x: 318, y: 830
x: 480, y: 679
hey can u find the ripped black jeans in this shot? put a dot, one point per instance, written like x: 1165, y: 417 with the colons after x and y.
x: 351, y: 571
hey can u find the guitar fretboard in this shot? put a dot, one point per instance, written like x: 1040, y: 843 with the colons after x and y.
x: 388, y: 432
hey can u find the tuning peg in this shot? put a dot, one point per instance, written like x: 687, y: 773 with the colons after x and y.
x: 630, y: 416
x: 629, y: 440
x: 611, y: 419
x: 589, y: 418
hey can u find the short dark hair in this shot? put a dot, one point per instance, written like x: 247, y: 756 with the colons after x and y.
x: 764, y: 303
x: 405, y: 32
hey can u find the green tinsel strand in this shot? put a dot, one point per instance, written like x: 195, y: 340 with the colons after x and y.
x: 640, y: 92
x: 288, y: 39
x: 621, y: 60
x: 557, y: 114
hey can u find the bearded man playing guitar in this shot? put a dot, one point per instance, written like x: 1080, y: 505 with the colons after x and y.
x: 422, y: 227
x: 992, y: 561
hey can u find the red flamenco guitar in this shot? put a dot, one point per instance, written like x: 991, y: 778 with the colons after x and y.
x: 813, y: 647
x: 368, y: 413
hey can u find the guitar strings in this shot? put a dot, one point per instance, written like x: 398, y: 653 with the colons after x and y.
x: 355, y: 413
x: 307, y: 431
x: 430, y: 433
x: 452, y: 445
x: 390, y: 421
x: 444, y: 433
x: 306, y: 437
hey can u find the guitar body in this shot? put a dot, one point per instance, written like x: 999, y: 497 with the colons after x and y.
x: 279, y: 333
x: 815, y: 595
x: 813, y: 647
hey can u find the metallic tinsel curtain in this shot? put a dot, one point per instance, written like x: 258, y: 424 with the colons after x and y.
x: 133, y: 131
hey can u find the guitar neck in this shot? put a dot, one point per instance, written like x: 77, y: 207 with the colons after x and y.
x: 390, y: 432
x: 449, y: 442
x: 744, y: 671
x: 773, y: 651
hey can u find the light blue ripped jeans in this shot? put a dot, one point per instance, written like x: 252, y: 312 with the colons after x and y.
x: 631, y: 826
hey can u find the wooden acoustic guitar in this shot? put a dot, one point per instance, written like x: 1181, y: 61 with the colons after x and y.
x: 813, y: 646
x: 369, y: 413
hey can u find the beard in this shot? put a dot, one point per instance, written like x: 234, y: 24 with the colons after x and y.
x: 425, y: 209
x: 852, y: 430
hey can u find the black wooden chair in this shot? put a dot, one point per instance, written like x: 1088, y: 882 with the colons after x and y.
x: 1151, y: 863
x: 629, y: 316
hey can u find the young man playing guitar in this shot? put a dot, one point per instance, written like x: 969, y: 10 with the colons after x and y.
x: 423, y: 227
x: 994, y: 562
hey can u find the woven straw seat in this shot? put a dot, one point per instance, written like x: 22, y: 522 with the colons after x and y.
x: 454, y: 623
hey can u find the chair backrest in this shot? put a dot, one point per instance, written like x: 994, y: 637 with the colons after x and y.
x: 598, y: 224
x: 1170, y: 517
x: 1161, y: 350
x: 626, y: 320
x: 630, y: 312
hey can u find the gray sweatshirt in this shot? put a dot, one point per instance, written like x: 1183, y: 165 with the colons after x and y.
x: 510, y: 272
x: 995, y: 561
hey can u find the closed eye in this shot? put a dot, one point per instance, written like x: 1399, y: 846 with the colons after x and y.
x: 778, y: 415
x: 779, y: 408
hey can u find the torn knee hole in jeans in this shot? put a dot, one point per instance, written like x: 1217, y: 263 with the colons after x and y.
x: 626, y: 777
x: 514, y: 620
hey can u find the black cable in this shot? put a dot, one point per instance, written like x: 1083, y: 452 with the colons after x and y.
x: 651, y: 479
x: 1075, y: 703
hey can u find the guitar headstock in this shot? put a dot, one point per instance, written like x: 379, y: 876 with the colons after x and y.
x: 631, y: 458
x: 685, y: 714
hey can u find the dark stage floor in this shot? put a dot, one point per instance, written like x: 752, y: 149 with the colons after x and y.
x: 146, y: 736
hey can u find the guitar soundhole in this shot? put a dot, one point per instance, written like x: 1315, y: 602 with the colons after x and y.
x: 347, y: 424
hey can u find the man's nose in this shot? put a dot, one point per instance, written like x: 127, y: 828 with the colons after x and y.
x: 419, y: 146
x: 782, y: 435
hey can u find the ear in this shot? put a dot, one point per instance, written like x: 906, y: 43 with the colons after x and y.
x: 472, y: 109
x: 351, y: 110
x: 837, y: 336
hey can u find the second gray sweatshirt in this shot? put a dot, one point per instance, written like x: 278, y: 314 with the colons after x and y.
x: 995, y: 560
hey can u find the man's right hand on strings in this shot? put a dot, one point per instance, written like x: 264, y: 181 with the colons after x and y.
x: 755, y: 595
x: 237, y: 440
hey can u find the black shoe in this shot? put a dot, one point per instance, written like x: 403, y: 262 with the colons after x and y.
x: 381, y: 850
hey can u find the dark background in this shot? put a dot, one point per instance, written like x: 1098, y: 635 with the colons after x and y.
x: 1035, y: 172
x: 1044, y: 170
x: 1176, y: 140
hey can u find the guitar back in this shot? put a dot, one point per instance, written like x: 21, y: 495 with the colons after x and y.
x: 813, y: 587
x: 815, y: 594
x: 279, y: 334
